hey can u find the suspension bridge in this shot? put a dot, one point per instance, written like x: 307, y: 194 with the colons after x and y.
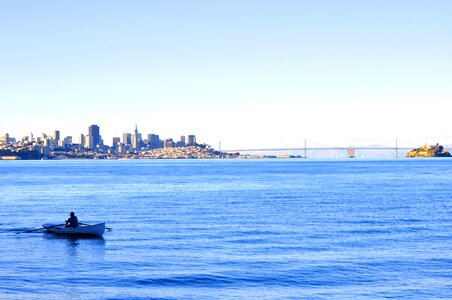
x: 395, y: 145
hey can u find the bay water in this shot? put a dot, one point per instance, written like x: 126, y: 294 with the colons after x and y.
x: 229, y: 229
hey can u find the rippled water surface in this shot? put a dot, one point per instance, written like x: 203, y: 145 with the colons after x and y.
x: 225, y: 229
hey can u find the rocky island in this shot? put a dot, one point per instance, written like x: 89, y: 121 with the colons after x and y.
x: 429, y: 151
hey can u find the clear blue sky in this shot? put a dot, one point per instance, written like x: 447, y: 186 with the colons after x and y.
x: 248, y: 73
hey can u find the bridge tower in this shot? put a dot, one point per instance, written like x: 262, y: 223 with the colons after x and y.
x: 305, y: 149
x: 396, y: 148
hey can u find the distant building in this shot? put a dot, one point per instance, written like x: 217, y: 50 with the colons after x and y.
x: 154, y: 141
x: 82, y: 140
x: 121, y: 148
x: 56, y: 135
x: 5, y: 139
x: 127, y: 139
x: 47, y: 142
x: 191, y: 140
x: 89, y: 142
x: 116, y: 141
x: 45, y: 150
x: 65, y: 142
x: 169, y: 143
x: 136, y: 138
x: 94, y: 133
x: 181, y: 143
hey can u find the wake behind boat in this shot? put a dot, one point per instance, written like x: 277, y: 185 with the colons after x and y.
x: 96, y: 229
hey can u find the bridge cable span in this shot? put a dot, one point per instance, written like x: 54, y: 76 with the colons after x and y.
x: 411, y: 144
x: 394, y: 144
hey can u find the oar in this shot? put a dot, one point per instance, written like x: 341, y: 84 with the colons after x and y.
x: 108, y: 228
x: 28, y: 231
x: 37, y: 229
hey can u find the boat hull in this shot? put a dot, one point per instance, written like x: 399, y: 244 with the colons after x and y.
x: 97, y: 229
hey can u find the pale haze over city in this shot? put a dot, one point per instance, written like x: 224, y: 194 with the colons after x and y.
x: 246, y: 73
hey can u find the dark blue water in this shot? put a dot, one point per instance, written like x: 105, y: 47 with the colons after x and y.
x: 229, y: 229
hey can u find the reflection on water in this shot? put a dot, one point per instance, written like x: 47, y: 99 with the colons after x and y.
x: 75, y: 238
x: 71, y: 247
x: 75, y: 243
x: 194, y: 229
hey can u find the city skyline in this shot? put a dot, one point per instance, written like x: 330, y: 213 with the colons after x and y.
x: 130, y: 139
x: 136, y: 146
x: 92, y: 146
x: 247, y: 73
x: 93, y: 138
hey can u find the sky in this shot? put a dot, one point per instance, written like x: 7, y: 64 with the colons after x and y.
x: 251, y: 74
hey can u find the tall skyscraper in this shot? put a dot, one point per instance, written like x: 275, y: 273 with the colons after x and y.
x: 136, y: 138
x: 94, y: 132
x: 127, y: 139
x: 56, y: 135
x: 82, y: 140
x: 181, y: 143
x: 89, y: 142
x: 191, y: 140
x: 153, y: 141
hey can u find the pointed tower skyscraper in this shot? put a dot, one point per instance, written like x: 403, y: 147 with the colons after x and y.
x: 135, y: 138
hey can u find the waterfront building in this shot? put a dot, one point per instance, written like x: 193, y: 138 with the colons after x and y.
x: 191, y: 140
x: 94, y: 133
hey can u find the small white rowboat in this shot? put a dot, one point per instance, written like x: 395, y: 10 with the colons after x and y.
x: 97, y: 229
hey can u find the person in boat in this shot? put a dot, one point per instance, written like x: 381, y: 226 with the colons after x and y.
x: 72, y: 221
